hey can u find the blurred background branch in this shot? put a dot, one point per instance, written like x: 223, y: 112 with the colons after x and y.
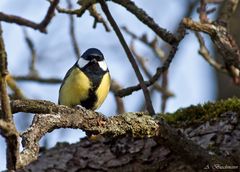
x: 25, y: 22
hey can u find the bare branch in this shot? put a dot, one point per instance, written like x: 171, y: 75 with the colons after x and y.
x: 38, y: 79
x: 206, y: 55
x: 203, y: 11
x: 70, y: 11
x: 114, y: 87
x: 72, y: 33
x: 151, y: 44
x: 7, y: 114
x: 146, y: 19
x: 85, y: 4
x: 164, y: 95
x: 127, y: 91
x: 10, y: 133
x: 224, y: 42
x: 25, y: 22
x: 130, y: 57
x: 50, y: 13
x: 141, y: 61
x: 16, y: 90
x: 32, y: 69
x: 98, y: 18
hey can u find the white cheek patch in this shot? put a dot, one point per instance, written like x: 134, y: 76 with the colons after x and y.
x: 82, y: 62
x: 103, y: 65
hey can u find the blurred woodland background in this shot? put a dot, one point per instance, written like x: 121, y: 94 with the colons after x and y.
x: 38, y: 58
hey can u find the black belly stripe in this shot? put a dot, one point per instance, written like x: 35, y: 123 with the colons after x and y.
x: 90, y: 101
x: 95, y: 74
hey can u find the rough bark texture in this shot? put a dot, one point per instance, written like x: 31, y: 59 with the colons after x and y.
x: 219, y: 135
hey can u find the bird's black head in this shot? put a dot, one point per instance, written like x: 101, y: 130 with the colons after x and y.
x: 92, y: 60
x: 93, y: 53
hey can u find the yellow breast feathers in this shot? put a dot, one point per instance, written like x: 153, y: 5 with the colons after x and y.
x: 75, y: 88
x: 102, y: 90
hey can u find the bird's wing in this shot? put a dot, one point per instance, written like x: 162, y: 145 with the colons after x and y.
x: 64, y: 79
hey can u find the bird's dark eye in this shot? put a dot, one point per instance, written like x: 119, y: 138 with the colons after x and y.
x: 98, y: 58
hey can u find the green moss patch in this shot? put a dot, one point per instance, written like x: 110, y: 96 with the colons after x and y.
x: 202, y: 113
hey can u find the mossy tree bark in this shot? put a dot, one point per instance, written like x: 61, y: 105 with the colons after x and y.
x: 213, y: 126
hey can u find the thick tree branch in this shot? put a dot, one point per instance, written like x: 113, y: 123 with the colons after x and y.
x: 137, y: 124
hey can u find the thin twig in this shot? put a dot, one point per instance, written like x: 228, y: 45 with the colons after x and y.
x: 141, y: 61
x: 50, y: 13
x: 32, y: 69
x: 130, y: 57
x: 17, y: 92
x: 164, y: 96
x: 131, y: 7
x: 127, y: 91
x: 38, y: 79
x: 90, y: 5
x: 70, y: 11
x: 98, y: 18
x: 119, y: 101
x: 206, y: 55
x: 85, y: 4
x: 151, y: 44
x: 72, y: 33
x: 146, y: 19
x: 224, y: 42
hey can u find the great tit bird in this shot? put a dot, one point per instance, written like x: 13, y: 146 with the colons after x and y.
x: 87, y: 82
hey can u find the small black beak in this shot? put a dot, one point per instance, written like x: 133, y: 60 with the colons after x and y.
x: 94, y: 61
